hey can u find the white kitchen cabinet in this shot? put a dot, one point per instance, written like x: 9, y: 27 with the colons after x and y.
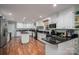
x: 68, y: 47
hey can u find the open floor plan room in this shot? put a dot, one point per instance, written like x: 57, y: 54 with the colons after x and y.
x: 39, y: 29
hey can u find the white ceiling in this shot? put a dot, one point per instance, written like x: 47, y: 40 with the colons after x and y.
x: 32, y: 12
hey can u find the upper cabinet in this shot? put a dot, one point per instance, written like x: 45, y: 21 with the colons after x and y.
x: 77, y: 22
x: 77, y: 17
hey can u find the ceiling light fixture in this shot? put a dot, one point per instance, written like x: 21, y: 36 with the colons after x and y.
x: 54, y: 5
x: 10, y: 14
x: 49, y: 18
x: 24, y: 18
x: 40, y: 16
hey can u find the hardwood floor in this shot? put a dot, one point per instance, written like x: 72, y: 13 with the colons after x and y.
x: 15, y: 47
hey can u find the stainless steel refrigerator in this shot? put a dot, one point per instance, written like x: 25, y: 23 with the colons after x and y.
x: 3, y: 32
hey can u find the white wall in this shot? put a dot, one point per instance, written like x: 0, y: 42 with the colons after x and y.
x: 12, y: 29
x: 39, y: 23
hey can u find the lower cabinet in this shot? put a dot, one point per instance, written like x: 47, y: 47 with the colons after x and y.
x: 68, y: 47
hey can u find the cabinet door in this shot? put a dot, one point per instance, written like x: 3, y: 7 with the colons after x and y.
x: 68, y: 47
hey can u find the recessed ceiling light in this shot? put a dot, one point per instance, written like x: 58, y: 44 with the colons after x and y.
x: 40, y: 16
x: 24, y: 18
x: 10, y: 14
x: 54, y: 5
x: 49, y: 18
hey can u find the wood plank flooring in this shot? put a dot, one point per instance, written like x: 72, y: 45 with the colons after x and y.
x: 15, y: 47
